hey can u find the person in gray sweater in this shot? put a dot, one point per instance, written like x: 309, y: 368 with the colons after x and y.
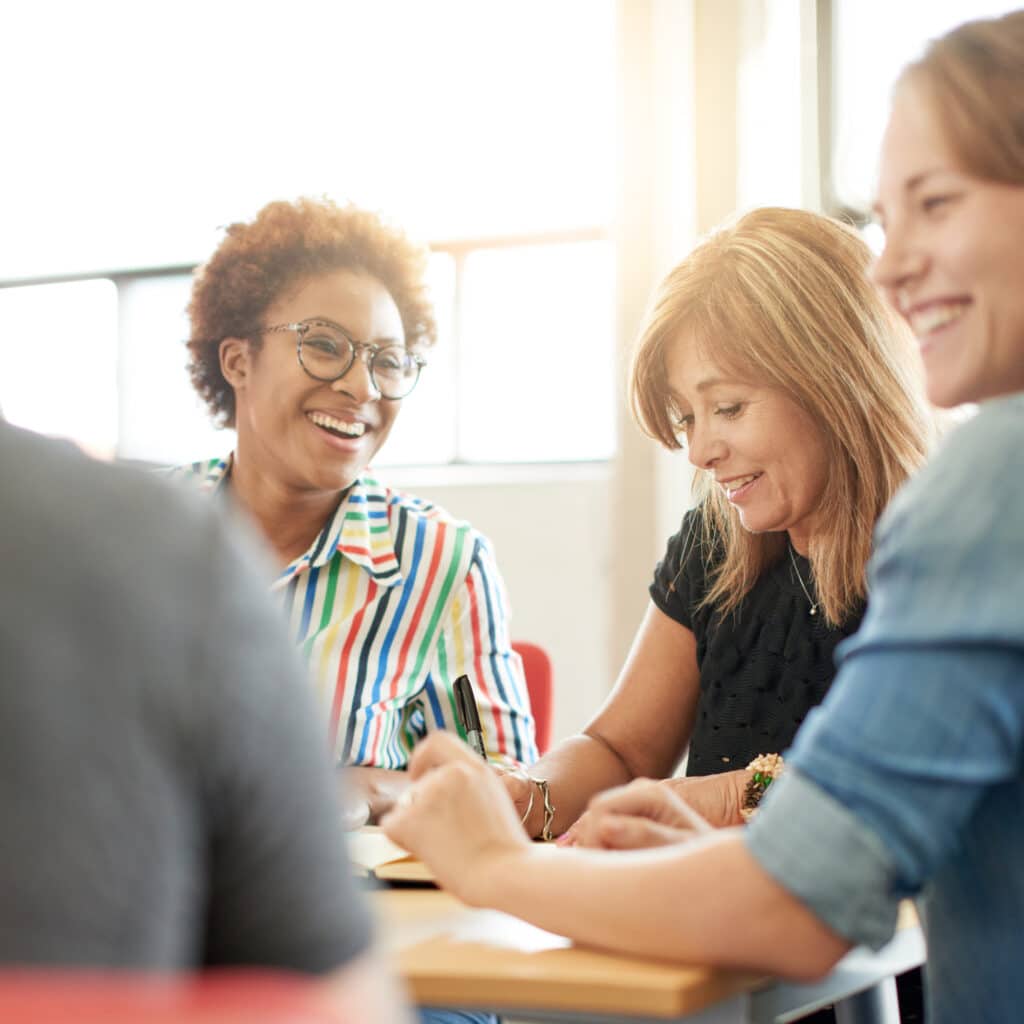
x: 167, y: 801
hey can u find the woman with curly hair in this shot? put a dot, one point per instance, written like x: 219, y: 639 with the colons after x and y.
x: 310, y: 327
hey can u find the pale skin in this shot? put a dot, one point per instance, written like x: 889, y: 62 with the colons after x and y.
x: 731, y: 429
x: 460, y: 821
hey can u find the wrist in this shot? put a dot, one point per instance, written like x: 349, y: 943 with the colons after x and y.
x: 484, y: 882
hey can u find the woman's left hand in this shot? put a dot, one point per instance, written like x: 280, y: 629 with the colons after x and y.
x: 644, y: 813
x: 456, y: 817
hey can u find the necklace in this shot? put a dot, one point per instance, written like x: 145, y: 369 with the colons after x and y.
x: 800, y: 580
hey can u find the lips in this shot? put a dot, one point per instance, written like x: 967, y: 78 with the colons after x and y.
x: 928, y: 317
x: 350, y: 428
x: 734, y: 485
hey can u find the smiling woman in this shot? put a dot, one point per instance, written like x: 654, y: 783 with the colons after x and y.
x: 310, y: 327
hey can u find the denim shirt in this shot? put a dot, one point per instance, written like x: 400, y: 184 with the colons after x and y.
x: 909, y: 779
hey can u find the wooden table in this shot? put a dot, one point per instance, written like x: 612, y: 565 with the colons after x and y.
x: 451, y: 955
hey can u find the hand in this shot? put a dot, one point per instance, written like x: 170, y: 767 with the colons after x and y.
x: 716, y: 798
x: 521, y: 789
x: 378, y: 788
x: 456, y: 817
x: 644, y: 813
x: 355, y: 811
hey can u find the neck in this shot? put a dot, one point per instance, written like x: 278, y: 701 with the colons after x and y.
x: 290, y: 519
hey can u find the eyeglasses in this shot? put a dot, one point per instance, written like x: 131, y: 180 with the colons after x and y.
x: 326, y: 352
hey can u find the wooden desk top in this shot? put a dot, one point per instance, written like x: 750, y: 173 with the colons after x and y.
x: 452, y: 955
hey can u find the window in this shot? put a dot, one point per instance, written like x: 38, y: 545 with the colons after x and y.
x: 457, y: 119
x: 58, y: 361
x: 872, y: 41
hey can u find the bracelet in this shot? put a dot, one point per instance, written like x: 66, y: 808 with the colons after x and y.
x: 529, y: 807
x: 766, y: 768
x: 549, y: 810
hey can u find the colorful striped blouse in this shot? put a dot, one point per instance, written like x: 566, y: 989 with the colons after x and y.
x: 391, y: 603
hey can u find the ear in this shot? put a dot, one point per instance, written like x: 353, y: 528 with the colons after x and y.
x: 235, y: 361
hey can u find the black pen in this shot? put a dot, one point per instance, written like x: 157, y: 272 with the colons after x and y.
x: 469, y: 717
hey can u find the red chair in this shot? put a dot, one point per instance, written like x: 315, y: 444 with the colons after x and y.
x: 537, y: 669
x: 233, y: 996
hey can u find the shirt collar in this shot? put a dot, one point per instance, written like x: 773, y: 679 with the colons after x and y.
x: 359, y: 529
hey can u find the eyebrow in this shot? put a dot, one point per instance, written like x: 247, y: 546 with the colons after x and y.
x: 711, y: 382
x: 379, y: 342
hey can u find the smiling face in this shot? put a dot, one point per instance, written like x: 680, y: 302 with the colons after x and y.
x: 306, y: 435
x: 951, y: 264
x: 764, y: 451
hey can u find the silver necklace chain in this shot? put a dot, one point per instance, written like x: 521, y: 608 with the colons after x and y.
x: 800, y: 580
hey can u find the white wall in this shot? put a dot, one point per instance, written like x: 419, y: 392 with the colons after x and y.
x: 577, y: 545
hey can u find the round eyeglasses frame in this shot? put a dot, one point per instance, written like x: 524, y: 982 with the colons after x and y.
x: 357, y: 349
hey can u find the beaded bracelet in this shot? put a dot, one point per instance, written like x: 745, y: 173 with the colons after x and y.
x: 766, y: 768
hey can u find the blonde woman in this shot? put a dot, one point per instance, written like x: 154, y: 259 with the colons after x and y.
x: 909, y: 781
x: 771, y: 359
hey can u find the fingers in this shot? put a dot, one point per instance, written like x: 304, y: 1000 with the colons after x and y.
x: 646, y: 798
x: 440, y: 748
x: 619, y: 832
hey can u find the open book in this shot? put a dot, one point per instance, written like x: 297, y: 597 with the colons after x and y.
x: 374, y: 855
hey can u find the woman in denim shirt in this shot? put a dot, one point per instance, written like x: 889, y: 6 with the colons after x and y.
x: 909, y: 779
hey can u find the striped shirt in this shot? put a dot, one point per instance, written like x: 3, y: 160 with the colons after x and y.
x: 391, y: 603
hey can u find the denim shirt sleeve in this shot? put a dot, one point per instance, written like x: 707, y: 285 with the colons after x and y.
x: 927, y: 713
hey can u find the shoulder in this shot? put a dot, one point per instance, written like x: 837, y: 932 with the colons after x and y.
x: 969, y: 487
x: 949, y: 547
x: 402, y: 503
x: 425, y: 520
x: 204, y: 475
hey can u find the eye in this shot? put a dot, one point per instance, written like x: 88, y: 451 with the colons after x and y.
x: 682, y: 423
x: 392, y: 360
x: 729, y: 411
x: 935, y: 203
x: 320, y: 342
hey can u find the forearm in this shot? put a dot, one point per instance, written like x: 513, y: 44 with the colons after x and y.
x: 576, y: 769
x: 706, y: 903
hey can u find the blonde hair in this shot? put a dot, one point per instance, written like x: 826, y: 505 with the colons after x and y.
x: 973, y: 79
x: 782, y: 298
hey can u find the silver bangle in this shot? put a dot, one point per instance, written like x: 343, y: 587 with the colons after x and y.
x: 549, y: 810
x: 529, y: 807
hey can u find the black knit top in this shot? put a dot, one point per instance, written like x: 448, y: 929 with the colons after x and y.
x: 762, y: 668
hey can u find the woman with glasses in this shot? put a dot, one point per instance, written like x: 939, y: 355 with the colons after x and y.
x: 310, y: 328
x: 909, y: 780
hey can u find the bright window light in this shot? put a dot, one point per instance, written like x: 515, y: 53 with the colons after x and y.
x: 874, y: 39
x: 538, y: 365
x: 457, y: 119
x: 58, y: 361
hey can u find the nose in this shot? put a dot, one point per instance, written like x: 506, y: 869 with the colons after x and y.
x: 357, y: 381
x: 899, y: 262
x: 703, y: 447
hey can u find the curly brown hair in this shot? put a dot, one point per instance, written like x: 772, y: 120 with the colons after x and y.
x: 286, y: 243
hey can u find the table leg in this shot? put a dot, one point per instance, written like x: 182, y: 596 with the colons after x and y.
x: 875, y: 1005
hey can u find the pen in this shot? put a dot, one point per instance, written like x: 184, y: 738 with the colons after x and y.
x: 469, y: 717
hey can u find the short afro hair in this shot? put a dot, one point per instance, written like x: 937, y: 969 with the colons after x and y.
x: 285, y: 244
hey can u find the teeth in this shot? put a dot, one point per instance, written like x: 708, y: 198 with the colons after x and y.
x: 350, y: 429
x: 734, y: 485
x: 934, y: 317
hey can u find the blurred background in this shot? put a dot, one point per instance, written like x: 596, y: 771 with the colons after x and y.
x: 558, y: 156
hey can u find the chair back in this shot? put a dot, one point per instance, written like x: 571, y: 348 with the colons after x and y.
x: 539, y: 686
